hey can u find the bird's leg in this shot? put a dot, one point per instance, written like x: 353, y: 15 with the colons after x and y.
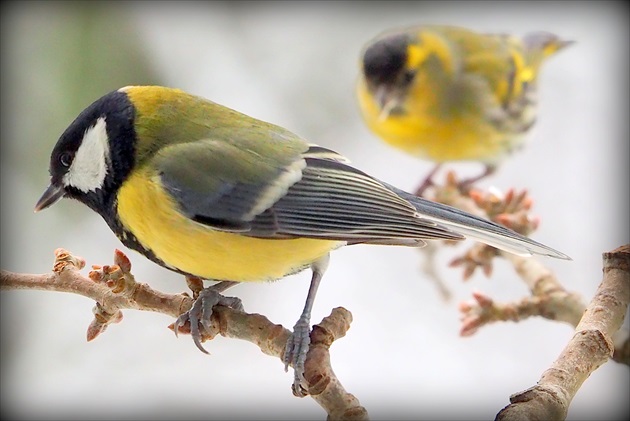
x: 299, y: 341
x: 428, y: 181
x: 201, y: 310
x: 465, y: 185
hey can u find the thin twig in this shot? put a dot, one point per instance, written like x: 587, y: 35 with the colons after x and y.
x: 114, y: 289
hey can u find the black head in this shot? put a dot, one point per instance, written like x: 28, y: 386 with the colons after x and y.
x: 94, y: 155
x: 384, y: 60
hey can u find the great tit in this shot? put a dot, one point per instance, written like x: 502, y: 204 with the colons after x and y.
x: 209, y: 192
x: 445, y: 93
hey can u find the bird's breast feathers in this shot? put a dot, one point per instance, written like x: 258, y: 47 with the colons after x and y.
x: 434, y: 136
x: 147, y: 211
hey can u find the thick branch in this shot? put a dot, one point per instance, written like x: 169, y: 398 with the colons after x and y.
x: 590, y: 347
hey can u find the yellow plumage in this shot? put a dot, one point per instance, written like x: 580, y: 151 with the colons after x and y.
x: 215, y: 194
x: 450, y: 94
x: 191, y: 247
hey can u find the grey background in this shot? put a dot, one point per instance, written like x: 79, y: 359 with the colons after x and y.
x: 295, y: 65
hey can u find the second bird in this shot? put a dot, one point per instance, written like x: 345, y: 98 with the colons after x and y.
x: 445, y: 93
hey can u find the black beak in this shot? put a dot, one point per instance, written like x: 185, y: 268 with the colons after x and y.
x: 52, y: 194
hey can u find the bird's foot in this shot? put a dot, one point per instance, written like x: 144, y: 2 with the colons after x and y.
x: 200, y: 314
x: 466, y: 185
x: 428, y: 181
x: 295, y: 354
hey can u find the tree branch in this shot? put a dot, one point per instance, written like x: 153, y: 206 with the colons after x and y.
x: 590, y: 347
x: 596, y: 339
x: 549, y: 298
x: 115, y: 289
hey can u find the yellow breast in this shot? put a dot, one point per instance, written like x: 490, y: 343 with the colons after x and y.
x: 425, y: 133
x: 147, y: 210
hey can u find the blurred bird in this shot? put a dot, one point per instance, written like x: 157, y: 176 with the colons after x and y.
x: 445, y: 93
x: 211, y: 193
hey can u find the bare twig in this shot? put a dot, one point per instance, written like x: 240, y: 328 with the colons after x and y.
x: 590, y: 347
x: 115, y: 289
x: 549, y: 298
x: 430, y: 269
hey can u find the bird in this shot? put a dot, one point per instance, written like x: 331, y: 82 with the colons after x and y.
x: 445, y: 93
x: 211, y: 193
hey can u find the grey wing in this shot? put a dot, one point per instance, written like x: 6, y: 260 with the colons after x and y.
x: 333, y: 200
x: 317, y: 195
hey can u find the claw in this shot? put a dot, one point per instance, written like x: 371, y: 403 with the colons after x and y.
x: 295, y: 354
x: 201, y: 311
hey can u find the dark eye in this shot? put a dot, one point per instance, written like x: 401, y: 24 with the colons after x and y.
x: 65, y: 159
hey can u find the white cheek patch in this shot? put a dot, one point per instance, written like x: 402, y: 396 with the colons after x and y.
x: 90, y: 164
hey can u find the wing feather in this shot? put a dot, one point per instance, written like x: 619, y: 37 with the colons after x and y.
x: 315, y: 195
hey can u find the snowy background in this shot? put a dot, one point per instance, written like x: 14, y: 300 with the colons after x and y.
x: 296, y: 65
